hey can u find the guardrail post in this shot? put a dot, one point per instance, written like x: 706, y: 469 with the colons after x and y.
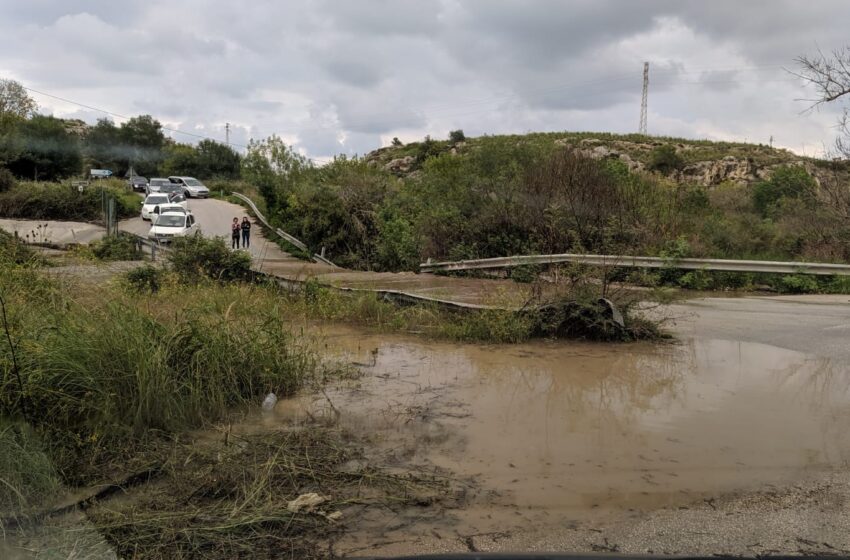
x: 153, y: 252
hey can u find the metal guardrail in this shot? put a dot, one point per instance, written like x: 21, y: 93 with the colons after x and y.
x: 293, y: 240
x: 822, y: 269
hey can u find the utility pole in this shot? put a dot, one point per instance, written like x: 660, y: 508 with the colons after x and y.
x: 642, y: 127
x: 227, y: 133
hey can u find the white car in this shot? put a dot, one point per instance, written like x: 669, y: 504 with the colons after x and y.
x: 151, y: 202
x: 171, y: 224
x: 160, y: 209
x: 191, y: 186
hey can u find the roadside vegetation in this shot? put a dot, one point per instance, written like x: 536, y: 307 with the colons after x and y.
x: 110, y: 385
x: 62, y: 201
x: 499, y: 196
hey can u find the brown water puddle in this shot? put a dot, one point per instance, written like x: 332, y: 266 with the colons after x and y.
x: 553, y: 433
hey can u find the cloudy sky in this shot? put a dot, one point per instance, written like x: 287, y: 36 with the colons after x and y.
x: 345, y: 76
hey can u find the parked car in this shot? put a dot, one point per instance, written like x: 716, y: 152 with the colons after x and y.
x: 160, y: 209
x: 171, y: 224
x: 138, y: 184
x: 156, y: 183
x: 191, y: 186
x: 152, y: 201
x: 178, y: 198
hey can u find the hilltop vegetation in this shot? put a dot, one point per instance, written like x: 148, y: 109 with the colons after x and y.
x: 560, y: 192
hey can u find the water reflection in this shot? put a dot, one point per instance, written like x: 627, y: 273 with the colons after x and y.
x: 566, y: 426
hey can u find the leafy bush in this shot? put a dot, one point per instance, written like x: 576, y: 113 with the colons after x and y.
x: 786, y: 182
x: 7, y: 180
x: 195, y: 256
x: 665, y: 160
x: 798, y: 284
x: 120, y: 247
x: 146, y: 278
x: 456, y: 136
x: 55, y: 201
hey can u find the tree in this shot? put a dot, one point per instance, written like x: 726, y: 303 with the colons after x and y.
x: 272, y: 166
x: 15, y: 106
x: 396, y: 142
x: 456, y: 136
x: 664, y: 159
x: 830, y: 74
x: 15, y: 101
x: 144, y: 140
x: 103, y: 147
x: 48, y: 150
x: 181, y: 159
x: 216, y: 160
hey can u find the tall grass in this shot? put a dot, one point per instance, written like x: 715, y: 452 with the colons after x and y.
x: 101, y: 370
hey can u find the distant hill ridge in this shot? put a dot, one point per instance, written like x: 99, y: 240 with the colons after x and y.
x: 701, y: 162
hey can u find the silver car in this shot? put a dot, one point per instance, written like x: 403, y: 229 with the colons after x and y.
x: 191, y: 186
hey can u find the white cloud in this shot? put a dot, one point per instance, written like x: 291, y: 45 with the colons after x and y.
x: 343, y: 77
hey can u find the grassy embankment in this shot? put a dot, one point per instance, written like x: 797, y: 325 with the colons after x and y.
x: 112, y: 381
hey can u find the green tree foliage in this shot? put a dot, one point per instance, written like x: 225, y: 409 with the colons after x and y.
x: 181, y: 159
x: 217, y: 160
x: 104, y: 148
x: 456, y: 136
x: 274, y: 167
x: 47, y: 150
x: 787, y: 182
x: 143, y: 139
x: 665, y: 159
x: 15, y: 106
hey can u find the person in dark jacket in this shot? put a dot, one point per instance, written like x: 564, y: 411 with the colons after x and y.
x: 234, y: 234
x: 246, y: 232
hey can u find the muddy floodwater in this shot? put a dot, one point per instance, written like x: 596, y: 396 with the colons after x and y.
x: 566, y: 434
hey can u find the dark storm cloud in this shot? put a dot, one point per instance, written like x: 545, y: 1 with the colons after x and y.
x: 344, y: 76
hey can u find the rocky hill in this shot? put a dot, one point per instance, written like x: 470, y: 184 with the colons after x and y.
x: 699, y: 162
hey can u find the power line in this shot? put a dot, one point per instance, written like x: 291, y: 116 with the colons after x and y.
x: 125, y: 117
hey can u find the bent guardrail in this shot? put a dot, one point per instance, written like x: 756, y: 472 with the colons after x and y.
x: 290, y: 239
x: 726, y: 265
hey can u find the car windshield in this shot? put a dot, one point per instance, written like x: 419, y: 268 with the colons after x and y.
x: 171, y: 220
x: 139, y: 180
x: 156, y: 199
x: 159, y: 182
x: 193, y: 183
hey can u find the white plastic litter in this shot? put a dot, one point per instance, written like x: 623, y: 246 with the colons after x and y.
x: 269, y: 402
x: 306, y: 502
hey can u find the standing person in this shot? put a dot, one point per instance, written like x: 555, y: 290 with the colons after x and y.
x: 246, y: 232
x: 234, y: 234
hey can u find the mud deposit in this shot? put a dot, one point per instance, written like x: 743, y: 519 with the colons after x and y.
x: 591, y: 447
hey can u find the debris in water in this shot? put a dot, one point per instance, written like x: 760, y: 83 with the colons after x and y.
x: 306, y: 502
x: 269, y: 402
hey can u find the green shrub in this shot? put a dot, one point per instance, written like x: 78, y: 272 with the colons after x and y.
x: 797, y: 284
x: 196, y: 256
x: 665, y: 160
x: 146, y: 278
x: 456, y: 136
x: 55, y: 201
x: 786, y: 182
x: 7, y: 180
x: 119, y: 247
